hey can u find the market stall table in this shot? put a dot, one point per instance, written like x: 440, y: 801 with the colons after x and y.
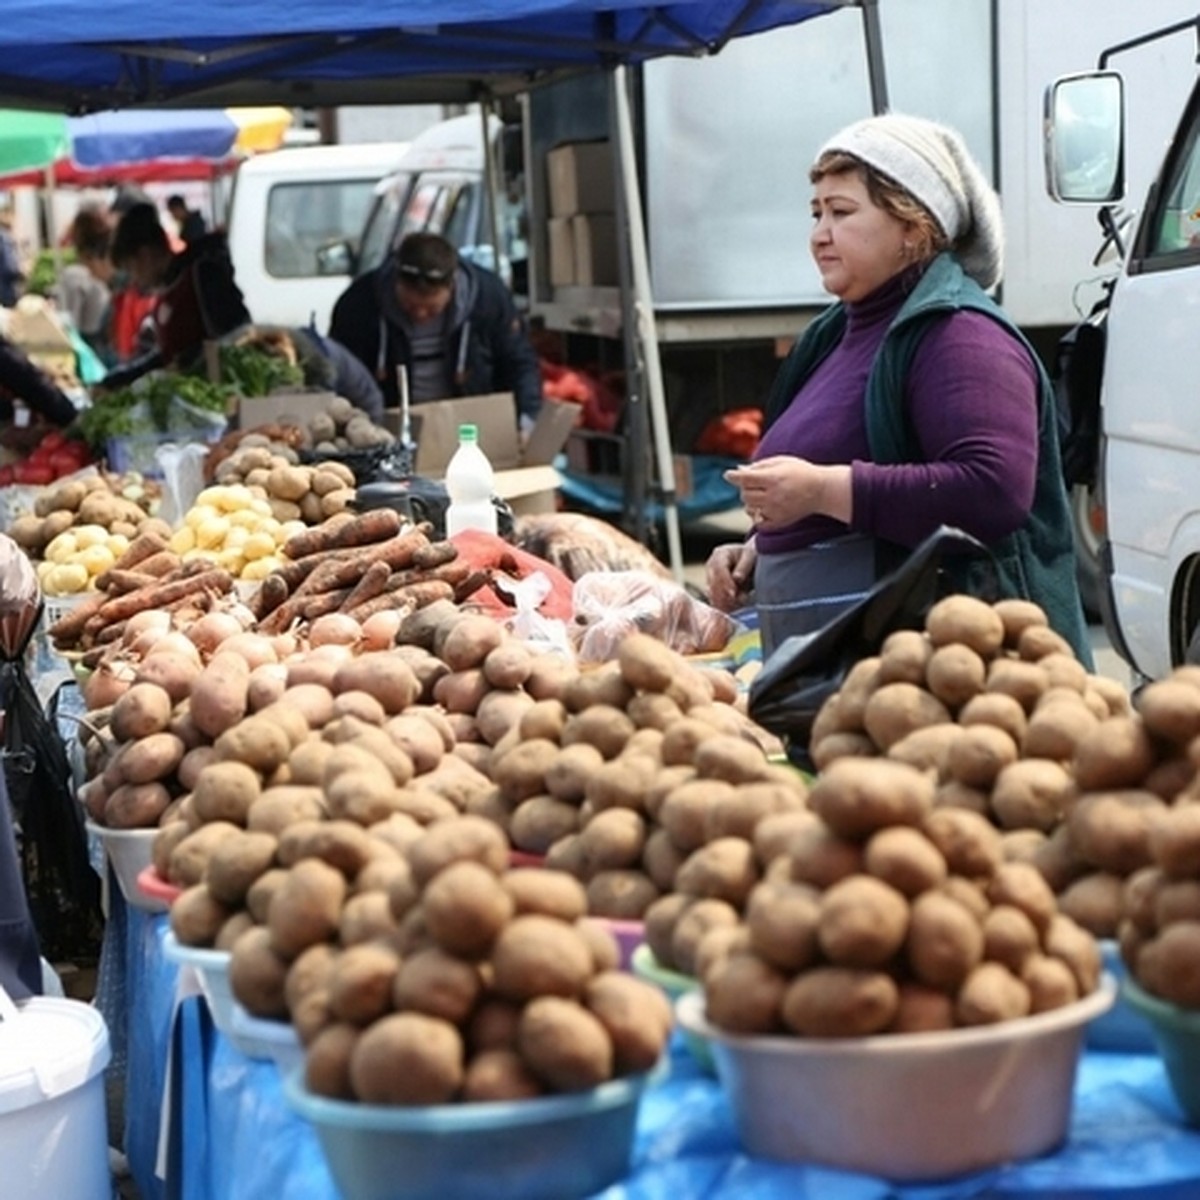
x: 231, y: 1136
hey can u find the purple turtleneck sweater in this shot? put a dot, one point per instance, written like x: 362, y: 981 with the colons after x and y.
x: 971, y: 396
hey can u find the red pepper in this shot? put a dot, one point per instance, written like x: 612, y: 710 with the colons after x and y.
x: 52, y: 440
x: 64, y: 462
x: 6, y: 475
x: 33, y: 473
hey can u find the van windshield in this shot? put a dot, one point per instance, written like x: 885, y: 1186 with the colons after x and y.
x: 303, y: 218
x: 385, y: 212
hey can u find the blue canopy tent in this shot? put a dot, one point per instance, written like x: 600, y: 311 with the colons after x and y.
x: 77, y: 56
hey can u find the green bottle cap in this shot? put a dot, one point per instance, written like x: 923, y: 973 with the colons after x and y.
x: 468, y: 433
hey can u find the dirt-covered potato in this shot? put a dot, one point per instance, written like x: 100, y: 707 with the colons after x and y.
x: 693, y: 923
x: 857, y: 797
x: 623, y: 895
x: 306, y: 907
x: 257, y: 975
x: 1009, y: 937
x: 564, y: 1044
x: 818, y: 857
x: 904, y: 657
x: 978, y: 755
x: 744, y: 994
x: 967, y: 620
x: 955, y: 674
x: 466, y: 906
x: 724, y: 869
x: 992, y: 993
x: 945, y: 941
x: 1094, y: 902
x: 407, y: 1058
x: 1117, y: 753
x: 862, y: 922
x: 537, y: 955
x: 1169, y: 964
x: 438, y: 984
x: 1032, y: 793
x: 840, y: 1002
x: 636, y: 1016
x: 968, y: 842
x: 1111, y: 830
x: 897, y: 709
x: 782, y: 918
x: 905, y: 859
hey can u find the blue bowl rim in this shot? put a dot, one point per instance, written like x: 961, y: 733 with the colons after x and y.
x: 466, y: 1117
x: 1158, y: 1010
x: 689, y: 1013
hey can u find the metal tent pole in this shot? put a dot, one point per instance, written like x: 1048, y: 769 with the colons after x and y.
x: 643, y: 304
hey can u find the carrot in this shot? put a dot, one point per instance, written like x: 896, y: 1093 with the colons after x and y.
x: 160, y: 593
x: 451, y: 572
x: 69, y: 626
x: 160, y: 564
x: 270, y: 596
x: 373, y: 526
x: 471, y: 584
x: 373, y: 582
x: 117, y: 582
x: 418, y: 595
x: 326, y: 602
x: 435, y: 554
x: 141, y: 548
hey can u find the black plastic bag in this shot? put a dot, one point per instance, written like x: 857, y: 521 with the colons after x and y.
x: 807, y: 669
x: 62, y: 888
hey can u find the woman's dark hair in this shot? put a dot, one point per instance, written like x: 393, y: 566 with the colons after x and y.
x: 426, y: 262
x: 91, y: 233
x: 139, y: 226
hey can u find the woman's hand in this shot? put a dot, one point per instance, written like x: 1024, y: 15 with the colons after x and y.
x: 729, y: 572
x: 783, y: 489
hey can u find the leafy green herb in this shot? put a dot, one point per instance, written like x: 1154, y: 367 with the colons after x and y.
x: 251, y: 371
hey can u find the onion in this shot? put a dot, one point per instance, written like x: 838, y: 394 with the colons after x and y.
x: 106, y: 683
x: 334, y: 652
x: 212, y: 629
x: 379, y: 629
x: 151, y: 620
x: 334, y: 629
x: 285, y: 645
x: 255, y: 648
x: 173, y: 642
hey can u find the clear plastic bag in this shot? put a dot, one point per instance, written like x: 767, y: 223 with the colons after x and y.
x: 542, y: 633
x: 182, y: 467
x: 610, y: 605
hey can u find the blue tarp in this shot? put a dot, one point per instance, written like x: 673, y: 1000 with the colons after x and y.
x: 82, y: 56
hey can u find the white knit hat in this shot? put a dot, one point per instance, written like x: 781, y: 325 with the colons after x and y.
x: 933, y: 163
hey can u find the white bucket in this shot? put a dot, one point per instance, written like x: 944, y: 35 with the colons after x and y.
x: 53, y: 1126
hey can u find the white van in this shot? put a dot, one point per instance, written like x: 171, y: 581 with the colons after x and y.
x: 440, y: 186
x: 1149, y: 469
x: 288, y: 210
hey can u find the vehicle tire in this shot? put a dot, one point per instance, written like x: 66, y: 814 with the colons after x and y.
x: 1087, y: 527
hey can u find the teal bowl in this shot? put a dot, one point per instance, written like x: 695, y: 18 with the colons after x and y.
x: 1123, y: 1029
x: 1177, y: 1035
x: 645, y: 966
x: 550, y: 1148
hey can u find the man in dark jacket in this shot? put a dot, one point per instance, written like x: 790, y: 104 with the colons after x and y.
x: 451, y: 325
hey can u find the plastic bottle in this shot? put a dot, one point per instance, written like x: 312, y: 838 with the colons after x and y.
x: 469, y: 481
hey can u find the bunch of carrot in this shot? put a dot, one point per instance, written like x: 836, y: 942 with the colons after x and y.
x: 148, y: 576
x: 360, y: 565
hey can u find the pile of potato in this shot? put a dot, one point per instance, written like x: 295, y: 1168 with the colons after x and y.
x: 78, y: 530
x: 889, y: 915
x: 418, y: 970
x: 293, y: 491
x: 342, y: 427
x: 638, y: 777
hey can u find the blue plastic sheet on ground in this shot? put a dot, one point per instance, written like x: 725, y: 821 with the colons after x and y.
x: 710, y: 492
x: 1127, y: 1140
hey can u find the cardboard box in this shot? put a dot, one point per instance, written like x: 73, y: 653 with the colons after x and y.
x: 524, y: 477
x: 594, y: 238
x: 561, y: 240
x: 580, y: 178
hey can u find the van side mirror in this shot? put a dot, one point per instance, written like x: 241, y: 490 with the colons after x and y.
x: 1084, y: 132
x: 337, y: 258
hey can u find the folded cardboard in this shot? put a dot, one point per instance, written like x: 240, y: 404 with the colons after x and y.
x: 580, y: 178
x: 594, y: 244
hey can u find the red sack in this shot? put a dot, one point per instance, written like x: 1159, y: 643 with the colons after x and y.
x: 487, y: 552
